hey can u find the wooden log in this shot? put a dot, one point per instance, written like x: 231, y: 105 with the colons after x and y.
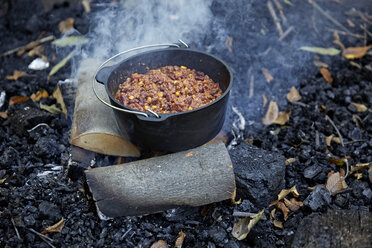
x: 195, y: 177
x: 94, y: 126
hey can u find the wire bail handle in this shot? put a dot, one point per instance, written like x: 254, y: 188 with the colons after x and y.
x: 94, y: 81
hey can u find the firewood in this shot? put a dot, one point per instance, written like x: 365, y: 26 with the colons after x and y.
x: 191, y: 178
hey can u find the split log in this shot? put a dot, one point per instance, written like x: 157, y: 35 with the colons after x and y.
x: 94, y: 126
x: 195, y: 177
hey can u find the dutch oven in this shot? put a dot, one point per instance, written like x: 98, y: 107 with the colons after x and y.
x: 170, y: 132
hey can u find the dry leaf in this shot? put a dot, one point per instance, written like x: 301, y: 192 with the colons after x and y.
x: 358, y: 167
x: 350, y: 23
x: 283, y: 208
x: 180, y: 239
x: 334, y: 183
x: 283, y: 117
x: 322, y: 108
x: 51, y: 109
x: 70, y: 41
x: 244, y: 225
x: 360, y: 107
x: 66, y: 25
x: 292, y: 204
x: 86, y: 5
x: 57, y: 94
x: 38, y: 95
x: 318, y: 63
x: 338, y: 161
x: 16, y: 75
x: 358, y: 176
x: 62, y: 63
x: 159, y: 244
x: 4, y: 115
x: 293, y: 95
x: 38, y: 51
x: 272, y: 214
x: 190, y: 154
x: 332, y: 138
x: 264, y: 98
x: 55, y: 228
x: 326, y: 75
x: 320, y: 50
x: 355, y: 52
x: 267, y: 75
x: 3, y: 180
x: 271, y: 114
x: 18, y: 99
x: 337, y: 40
x: 289, y: 161
x: 278, y: 224
x: 228, y: 43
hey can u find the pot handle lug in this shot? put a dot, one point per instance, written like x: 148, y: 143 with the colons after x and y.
x: 103, y: 74
x: 106, y: 72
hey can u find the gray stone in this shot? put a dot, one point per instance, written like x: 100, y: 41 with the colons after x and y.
x: 259, y: 174
x: 318, y: 199
x: 336, y: 228
x: 311, y: 171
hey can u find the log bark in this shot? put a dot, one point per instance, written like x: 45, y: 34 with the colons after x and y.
x: 94, y: 126
x: 195, y: 177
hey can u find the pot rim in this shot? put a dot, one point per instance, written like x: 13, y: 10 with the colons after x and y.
x: 163, y: 116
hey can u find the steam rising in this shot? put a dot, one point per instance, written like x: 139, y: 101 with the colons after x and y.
x: 144, y: 22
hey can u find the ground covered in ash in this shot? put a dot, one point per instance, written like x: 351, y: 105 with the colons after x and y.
x: 37, y: 189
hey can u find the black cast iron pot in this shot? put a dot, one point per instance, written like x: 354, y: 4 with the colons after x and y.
x: 175, y: 131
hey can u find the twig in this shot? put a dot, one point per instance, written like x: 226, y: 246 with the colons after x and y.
x: 285, y: 34
x: 280, y: 8
x: 125, y: 234
x: 317, y: 142
x: 41, y: 235
x: 301, y: 104
x: 365, y: 30
x: 334, y: 21
x: 29, y: 45
x: 275, y: 17
x: 354, y: 141
x: 15, y: 228
x: 342, y: 143
x: 345, y: 33
x: 242, y: 214
x: 38, y: 125
x: 251, y: 87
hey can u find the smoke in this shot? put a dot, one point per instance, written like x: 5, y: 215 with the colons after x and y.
x: 136, y: 23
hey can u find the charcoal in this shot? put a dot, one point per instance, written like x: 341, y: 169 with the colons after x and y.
x: 28, y: 118
x: 259, y: 174
x: 50, y: 210
x: 332, y: 229
x: 217, y: 234
x: 318, y: 199
x: 341, y: 199
x: 46, y: 147
x: 311, y: 171
x: 29, y: 220
x: 10, y: 157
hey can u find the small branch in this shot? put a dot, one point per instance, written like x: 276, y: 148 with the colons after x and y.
x: 42, y: 236
x: 345, y: 33
x: 334, y: 126
x: 301, y: 104
x: 354, y: 141
x: 15, y: 228
x: 342, y: 143
x: 285, y: 34
x: 29, y: 45
x: 125, y: 234
x: 365, y: 30
x: 275, y: 17
x: 280, y: 8
x: 242, y: 214
x: 251, y: 87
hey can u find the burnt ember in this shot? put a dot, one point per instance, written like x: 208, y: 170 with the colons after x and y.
x: 308, y: 168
